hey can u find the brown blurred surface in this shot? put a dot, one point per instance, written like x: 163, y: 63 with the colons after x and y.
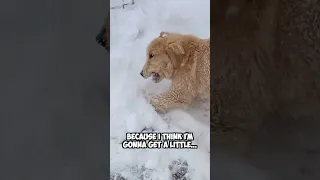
x: 266, y: 71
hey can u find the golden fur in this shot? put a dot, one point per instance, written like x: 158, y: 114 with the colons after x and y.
x: 184, y: 59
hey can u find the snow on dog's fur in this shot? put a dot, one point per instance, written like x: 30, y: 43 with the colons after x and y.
x: 184, y: 59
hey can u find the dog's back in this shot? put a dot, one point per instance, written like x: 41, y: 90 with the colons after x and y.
x: 203, y: 69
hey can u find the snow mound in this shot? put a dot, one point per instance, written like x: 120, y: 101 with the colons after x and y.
x: 132, y: 28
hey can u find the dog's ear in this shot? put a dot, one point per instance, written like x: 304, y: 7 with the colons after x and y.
x: 163, y: 34
x: 176, y: 48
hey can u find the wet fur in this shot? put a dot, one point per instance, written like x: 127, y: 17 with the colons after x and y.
x: 184, y: 59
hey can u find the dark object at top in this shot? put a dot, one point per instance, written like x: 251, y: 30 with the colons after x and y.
x: 101, y: 39
x: 103, y: 36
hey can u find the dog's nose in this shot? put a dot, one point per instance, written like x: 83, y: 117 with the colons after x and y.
x: 141, y: 73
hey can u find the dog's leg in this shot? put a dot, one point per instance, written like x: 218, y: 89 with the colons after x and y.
x: 173, y: 98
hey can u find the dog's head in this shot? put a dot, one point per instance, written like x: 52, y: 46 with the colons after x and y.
x: 164, y: 55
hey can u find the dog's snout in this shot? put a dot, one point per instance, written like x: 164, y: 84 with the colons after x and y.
x: 141, y: 73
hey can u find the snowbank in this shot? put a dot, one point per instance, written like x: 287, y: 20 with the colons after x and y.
x: 132, y: 28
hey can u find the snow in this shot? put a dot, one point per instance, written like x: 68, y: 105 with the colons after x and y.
x: 132, y: 28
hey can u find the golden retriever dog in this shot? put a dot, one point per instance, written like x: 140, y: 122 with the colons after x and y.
x: 183, y: 59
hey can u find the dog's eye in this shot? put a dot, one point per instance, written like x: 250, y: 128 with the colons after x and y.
x: 150, y: 56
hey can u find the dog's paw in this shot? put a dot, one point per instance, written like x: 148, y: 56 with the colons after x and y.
x: 158, y: 107
x: 159, y: 110
x: 148, y: 96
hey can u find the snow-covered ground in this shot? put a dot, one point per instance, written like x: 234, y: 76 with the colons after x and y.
x: 132, y: 28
